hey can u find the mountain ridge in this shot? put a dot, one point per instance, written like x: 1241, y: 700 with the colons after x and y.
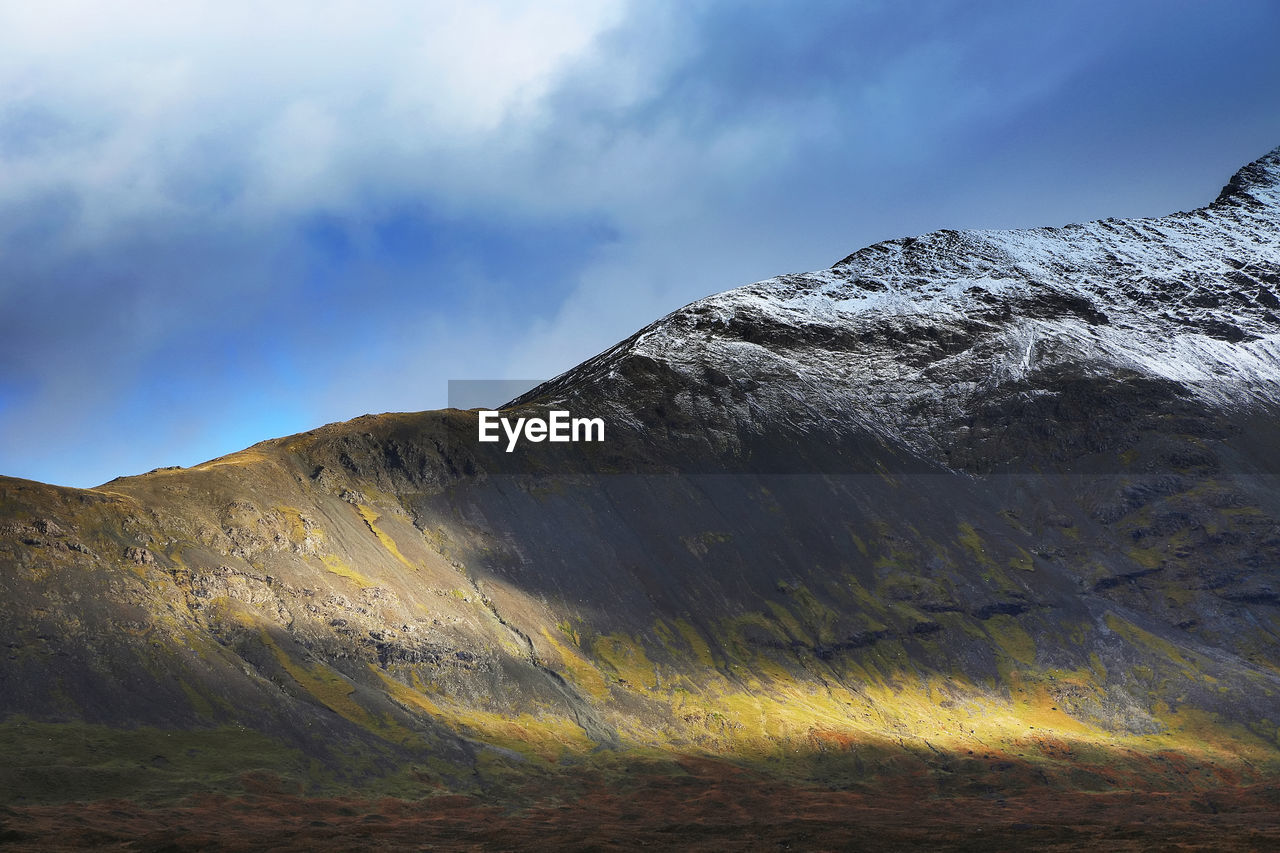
x: 969, y: 512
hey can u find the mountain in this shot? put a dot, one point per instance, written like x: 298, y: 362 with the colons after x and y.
x: 983, y: 519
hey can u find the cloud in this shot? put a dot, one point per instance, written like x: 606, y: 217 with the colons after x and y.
x: 163, y: 165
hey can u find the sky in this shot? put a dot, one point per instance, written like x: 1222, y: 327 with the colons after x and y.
x: 222, y: 222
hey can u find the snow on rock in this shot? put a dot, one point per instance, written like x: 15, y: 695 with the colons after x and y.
x: 901, y: 332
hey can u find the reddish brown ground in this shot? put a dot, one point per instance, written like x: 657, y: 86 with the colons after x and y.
x: 714, y: 807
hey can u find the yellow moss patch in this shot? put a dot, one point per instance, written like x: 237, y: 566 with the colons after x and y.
x: 858, y: 543
x: 1010, y: 636
x: 299, y: 530
x: 301, y: 442
x: 971, y: 540
x: 1138, y: 637
x: 788, y: 621
x: 581, y: 671
x: 243, y: 457
x: 1148, y: 558
x: 547, y: 736
x: 371, y: 521
x: 1022, y: 562
x: 570, y: 632
x: 628, y: 659
x: 334, y: 692
x: 338, y: 567
x: 405, y: 693
x: 198, y: 702
x: 701, y: 650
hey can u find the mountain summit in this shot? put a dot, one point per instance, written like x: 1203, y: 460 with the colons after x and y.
x: 1256, y: 186
x: 911, y: 338
x: 972, y: 515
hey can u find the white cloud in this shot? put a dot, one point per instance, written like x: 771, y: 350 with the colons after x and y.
x: 318, y: 95
x: 476, y: 63
x: 295, y: 153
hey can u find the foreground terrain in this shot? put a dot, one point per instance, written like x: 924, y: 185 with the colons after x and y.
x: 697, y: 805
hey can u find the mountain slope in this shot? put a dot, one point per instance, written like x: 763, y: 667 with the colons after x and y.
x: 988, y: 511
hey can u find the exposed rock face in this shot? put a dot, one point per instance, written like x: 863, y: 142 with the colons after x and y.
x: 961, y: 500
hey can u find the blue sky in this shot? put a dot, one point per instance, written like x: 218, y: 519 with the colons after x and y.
x: 223, y: 222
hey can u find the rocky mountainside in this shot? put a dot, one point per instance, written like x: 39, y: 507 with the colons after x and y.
x: 986, y: 511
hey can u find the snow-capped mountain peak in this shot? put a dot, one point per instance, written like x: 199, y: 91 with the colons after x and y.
x: 906, y: 334
x: 1256, y: 186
